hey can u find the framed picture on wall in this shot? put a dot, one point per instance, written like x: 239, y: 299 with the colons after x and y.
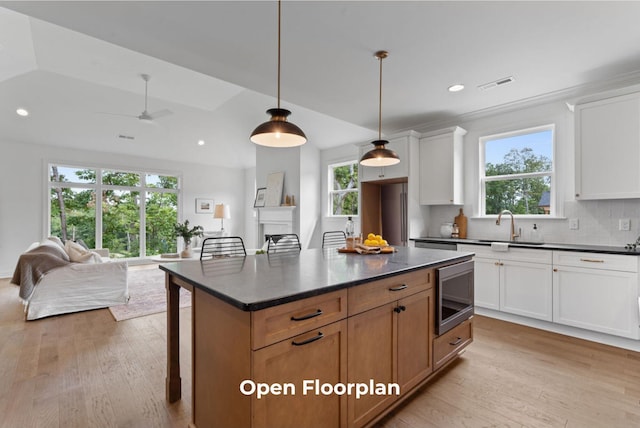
x: 204, y: 206
x: 260, y: 197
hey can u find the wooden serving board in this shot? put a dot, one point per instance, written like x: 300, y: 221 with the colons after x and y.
x: 383, y: 250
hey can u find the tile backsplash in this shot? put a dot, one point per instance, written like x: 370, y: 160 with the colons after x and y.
x: 598, y: 223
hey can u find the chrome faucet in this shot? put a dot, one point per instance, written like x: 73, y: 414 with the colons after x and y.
x: 513, y: 225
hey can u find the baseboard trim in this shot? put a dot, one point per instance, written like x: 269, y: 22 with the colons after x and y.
x: 606, y: 339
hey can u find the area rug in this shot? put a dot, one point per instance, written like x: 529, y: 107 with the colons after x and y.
x: 147, y: 295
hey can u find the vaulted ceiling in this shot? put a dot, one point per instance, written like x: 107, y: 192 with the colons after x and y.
x: 76, y: 66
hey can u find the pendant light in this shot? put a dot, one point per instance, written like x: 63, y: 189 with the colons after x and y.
x: 278, y: 132
x: 379, y: 155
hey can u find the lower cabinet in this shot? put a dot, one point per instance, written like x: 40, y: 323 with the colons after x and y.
x: 306, y: 362
x: 448, y: 345
x: 517, y: 281
x: 389, y: 344
x: 597, y: 292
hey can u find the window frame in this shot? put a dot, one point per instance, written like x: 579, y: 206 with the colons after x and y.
x: 554, y: 211
x: 99, y: 186
x: 330, y: 178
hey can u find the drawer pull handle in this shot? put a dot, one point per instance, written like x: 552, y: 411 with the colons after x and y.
x: 308, y: 316
x: 455, y: 342
x: 398, y: 288
x: 592, y: 260
x: 308, y: 341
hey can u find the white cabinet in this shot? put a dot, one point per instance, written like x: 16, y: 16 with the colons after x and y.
x: 598, y: 292
x: 400, y: 145
x: 517, y: 281
x: 608, y: 148
x: 441, y: 167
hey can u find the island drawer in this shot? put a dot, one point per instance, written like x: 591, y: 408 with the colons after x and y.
x: 281, y: 322
x: 449, y: 344
x: 377, y: 293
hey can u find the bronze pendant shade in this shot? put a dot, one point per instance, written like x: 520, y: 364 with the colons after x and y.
x: 380, y: 155
x: 278, y: 132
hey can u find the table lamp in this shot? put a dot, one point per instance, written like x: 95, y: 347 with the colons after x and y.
x: 222, y: 211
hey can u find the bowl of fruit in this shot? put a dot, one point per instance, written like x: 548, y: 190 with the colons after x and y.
x: 374, y: 244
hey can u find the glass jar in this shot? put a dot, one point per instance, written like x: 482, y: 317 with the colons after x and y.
x: 446, y: 229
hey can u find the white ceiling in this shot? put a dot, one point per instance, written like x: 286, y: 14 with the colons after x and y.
x: 213, y: 64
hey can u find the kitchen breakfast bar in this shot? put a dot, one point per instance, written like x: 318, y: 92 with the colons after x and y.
x: 315, y: 338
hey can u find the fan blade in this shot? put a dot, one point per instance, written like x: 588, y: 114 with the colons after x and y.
x: 160, y: 113
x: 116, y: 114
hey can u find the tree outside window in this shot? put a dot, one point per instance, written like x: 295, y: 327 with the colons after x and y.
x: 518, y: 172
x: 343, y: 189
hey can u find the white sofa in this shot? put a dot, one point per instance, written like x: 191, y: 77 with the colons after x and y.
x: 76, y: 286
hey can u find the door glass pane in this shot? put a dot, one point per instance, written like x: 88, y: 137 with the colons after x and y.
x: 121, y: 223
x: 117, y: 178
x: 71, y: 175
x: 161, y: 212
x: 73, y: 213
x: 162, y: 181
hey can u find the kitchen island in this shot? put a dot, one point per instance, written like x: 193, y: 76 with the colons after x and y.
x: 270, y: 335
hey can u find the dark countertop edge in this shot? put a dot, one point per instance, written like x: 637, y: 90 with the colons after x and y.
x: 583, y: 248
x: 256, y: 306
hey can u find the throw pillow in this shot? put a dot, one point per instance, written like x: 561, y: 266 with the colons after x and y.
x: 77, y: 253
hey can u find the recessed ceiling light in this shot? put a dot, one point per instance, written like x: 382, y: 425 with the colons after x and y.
x: 456, y: 88
x: 22, y: 112
x: 201, y: 142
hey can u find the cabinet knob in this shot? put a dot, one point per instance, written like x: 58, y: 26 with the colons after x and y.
x: 577, y: 195
x: 555, y: 269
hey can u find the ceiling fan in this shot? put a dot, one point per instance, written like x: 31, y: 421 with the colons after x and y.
x: 145, y: 116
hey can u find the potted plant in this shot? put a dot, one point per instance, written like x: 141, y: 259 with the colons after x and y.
x: 186, y: 233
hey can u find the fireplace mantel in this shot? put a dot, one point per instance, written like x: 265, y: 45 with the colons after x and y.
x: 276, y: 220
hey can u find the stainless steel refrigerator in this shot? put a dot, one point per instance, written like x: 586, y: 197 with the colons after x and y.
x: 393, y: 205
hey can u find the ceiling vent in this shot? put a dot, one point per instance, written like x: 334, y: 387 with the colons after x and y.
x: 496, y: 83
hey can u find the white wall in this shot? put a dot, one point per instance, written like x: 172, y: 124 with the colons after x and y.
x: 23, y: 193
x: 309, y: 201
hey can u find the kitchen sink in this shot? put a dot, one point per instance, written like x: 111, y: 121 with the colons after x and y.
x: 511, y: 242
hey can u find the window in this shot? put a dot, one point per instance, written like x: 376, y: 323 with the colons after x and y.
x: 517, y: 172
x: 133, y: 215
x: 343, y: 189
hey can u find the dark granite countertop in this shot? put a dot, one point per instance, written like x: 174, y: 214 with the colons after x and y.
x: 260, y: 281
x: 586, y: 248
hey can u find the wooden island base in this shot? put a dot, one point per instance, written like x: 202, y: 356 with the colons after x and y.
x: 312, y: 362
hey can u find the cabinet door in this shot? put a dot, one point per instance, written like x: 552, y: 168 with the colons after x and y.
x: 486, y: 285
x: 400, y: 170
x: 320, y: 354
x: 441, y: 166
x: 526, y: 289
x: 372, y: 355
x: 608, y: 148
x: 598, y: 300
x: 415, y: 339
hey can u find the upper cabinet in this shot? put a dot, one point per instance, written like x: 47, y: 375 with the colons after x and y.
x: 608, y: 148
x: 441, y: 167
x: 400, y: 145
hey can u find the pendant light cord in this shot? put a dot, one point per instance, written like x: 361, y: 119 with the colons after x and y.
x: 380, y: 56
x: 279, y: 13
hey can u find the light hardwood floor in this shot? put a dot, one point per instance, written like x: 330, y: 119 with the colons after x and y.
x: 86, y: 370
